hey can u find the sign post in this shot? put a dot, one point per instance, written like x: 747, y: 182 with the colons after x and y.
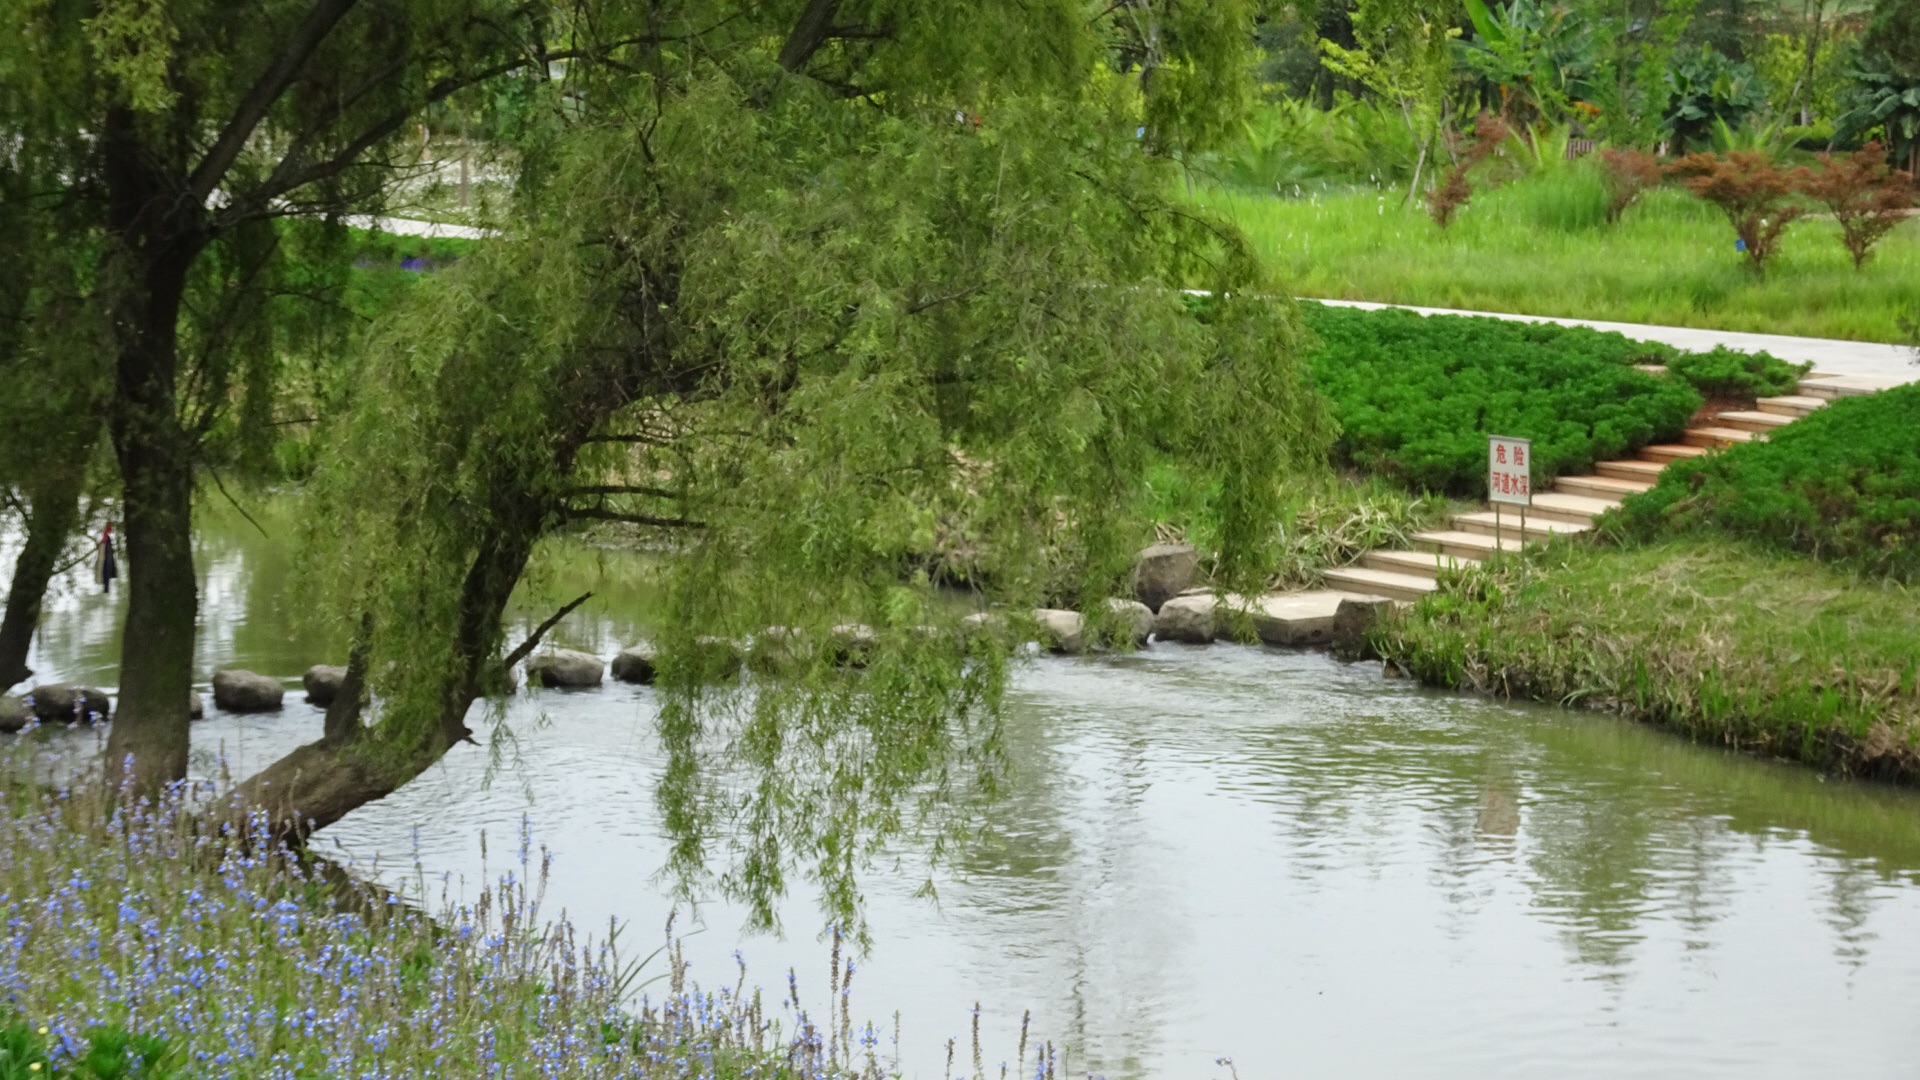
x: 1509, y: 480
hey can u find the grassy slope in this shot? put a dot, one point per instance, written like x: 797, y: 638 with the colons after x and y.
x: 1770, y: 653
x: 1670, y: 261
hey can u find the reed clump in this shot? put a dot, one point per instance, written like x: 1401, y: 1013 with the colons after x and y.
x: 1725, y: 642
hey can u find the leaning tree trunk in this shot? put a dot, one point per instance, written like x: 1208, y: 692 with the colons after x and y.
x: 53, y: 508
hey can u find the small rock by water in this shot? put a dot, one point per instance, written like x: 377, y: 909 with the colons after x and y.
x: 323, y: 683
x: 635, y: 665
x: 566, y: 668
x: 240, y: 691
x: 1163, y: 572
x: 65, y: 703
x: 14, y: 714
x: 1187, y: 618
x: 196, y: 708
x: 1061, y: 631
x: 1135, y: 618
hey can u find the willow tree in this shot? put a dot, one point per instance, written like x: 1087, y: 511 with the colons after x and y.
x: 796, y: 293
x: 197, y: 130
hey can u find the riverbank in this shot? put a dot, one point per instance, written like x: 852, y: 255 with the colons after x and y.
x: 1721, y: 641
x: 141, y: 946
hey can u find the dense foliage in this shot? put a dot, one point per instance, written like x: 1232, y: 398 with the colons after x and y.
x: 1416, y: 396
x: 1842, y: 484
x: 1724, y: 372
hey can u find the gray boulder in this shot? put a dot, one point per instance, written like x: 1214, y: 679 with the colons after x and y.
x: 853, y: 643
x: 240, y: 691
x: 635, y: 665
x: 323, y: 683
x: 196, y: 708
x: 1164, y: 571
x: 1061, y: 631
x: 566, y: 668
x: 65, y: 703
x: 1353, y: 621
x: 1188, y: 618
x: 1135, y: 619
x: 14, y: 714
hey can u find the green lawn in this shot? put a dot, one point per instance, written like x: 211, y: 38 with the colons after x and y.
x: 1669, y: 261
x: 1723, y: 641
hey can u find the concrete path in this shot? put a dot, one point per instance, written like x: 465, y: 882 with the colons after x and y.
x: 1865, y: 359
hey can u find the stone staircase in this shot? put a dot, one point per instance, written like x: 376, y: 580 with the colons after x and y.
x: 1576, y: 500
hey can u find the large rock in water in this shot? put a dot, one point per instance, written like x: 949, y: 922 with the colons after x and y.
x: 65, y: 703
x: 566, y: 668
x: 14, y: 714
x: 236, y: 690
x: 1187, y: 618
x: 1134, y: 617
x: 1163, y: 572
x: 635, y: 665
x: 1061, y: 631
x: 323, y: 683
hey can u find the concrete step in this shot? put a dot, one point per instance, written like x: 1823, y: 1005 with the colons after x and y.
x: 1569, y: 507
x: 1715, y: 437
x: 1419, y: 563
x: 1670, y: 452
x: 1538, y: 528
x: 1468, y: 545
x: 1385, y: 583
x: 1753, y: 420
x: 1630, y: 470
x: 1790, y: 404
x: 1839, y: 386
x: 1600, y: 487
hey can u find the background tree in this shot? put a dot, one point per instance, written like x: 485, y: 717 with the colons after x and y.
x: 1867, y: 196
x: 802, y: 283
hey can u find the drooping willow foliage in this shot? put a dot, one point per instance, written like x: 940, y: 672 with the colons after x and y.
x: 800, y: 318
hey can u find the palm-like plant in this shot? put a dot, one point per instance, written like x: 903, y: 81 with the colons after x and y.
x: 1888, y: 99
x: 1543, y: 56
x: 1706, y: 88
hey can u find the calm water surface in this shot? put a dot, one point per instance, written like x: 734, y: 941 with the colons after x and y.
x: 1221, y: 852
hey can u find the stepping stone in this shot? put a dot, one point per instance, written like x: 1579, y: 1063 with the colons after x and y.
x: 1421, y: 563
x: 1795, y: 405
x: 1466, y: 545
x: 1538, y: 528
x: 1717, y: 437
x: 1581, y: 508
x: 1385, y: 583
x: 1600, y: 487
x: 1670, y: 452
x: 1839, y: 386
x: 1754, y: 420
x: 1297, y: 618
x: 1631, y: 470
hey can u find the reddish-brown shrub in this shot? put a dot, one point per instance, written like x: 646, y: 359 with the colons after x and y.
x: 1750, y: 189
x: 1628, y: 175
x: 1489, y: 131
x: 1867, y: 196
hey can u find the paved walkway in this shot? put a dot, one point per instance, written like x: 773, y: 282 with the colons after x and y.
x: 1865, y: 359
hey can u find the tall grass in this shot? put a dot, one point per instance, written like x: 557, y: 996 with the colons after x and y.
x: 186, y: 950
x: 1724, y: 642
x: 1534, y: 247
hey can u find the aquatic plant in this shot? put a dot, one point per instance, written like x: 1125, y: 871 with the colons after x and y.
x: 145, y: 940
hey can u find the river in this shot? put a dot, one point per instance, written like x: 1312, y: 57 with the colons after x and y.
x: 1202, y: 854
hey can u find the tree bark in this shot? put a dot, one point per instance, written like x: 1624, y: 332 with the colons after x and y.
x: 54, y: 507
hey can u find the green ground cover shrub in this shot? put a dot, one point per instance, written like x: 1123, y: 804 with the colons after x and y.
x: 1669, y: 260
x: 1842, y: 484
x: 1724, y: 372
x: 1416, y: 395
x: 1721, y: 640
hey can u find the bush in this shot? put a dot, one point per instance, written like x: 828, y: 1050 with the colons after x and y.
x: 1416, y: 395
x: 1842, y: 484
x: 1724, y: 372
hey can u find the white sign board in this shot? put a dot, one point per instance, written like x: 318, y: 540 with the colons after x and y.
x: 1509, y: 470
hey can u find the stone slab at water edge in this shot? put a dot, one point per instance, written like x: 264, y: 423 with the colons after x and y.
x: 1163, y: 572
x: 323, y: 683
x: 635, y: 664
x: 239, y: 691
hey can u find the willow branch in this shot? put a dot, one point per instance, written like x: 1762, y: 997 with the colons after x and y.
x: 525, y: 648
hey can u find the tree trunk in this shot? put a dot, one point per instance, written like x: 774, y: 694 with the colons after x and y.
x: 156, y: 473
x: 54, y: 507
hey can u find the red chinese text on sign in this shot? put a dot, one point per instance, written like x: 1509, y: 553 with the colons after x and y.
x: 1509, y: 474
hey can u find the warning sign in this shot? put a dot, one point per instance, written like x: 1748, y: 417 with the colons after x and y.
x: 1509, y: 470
